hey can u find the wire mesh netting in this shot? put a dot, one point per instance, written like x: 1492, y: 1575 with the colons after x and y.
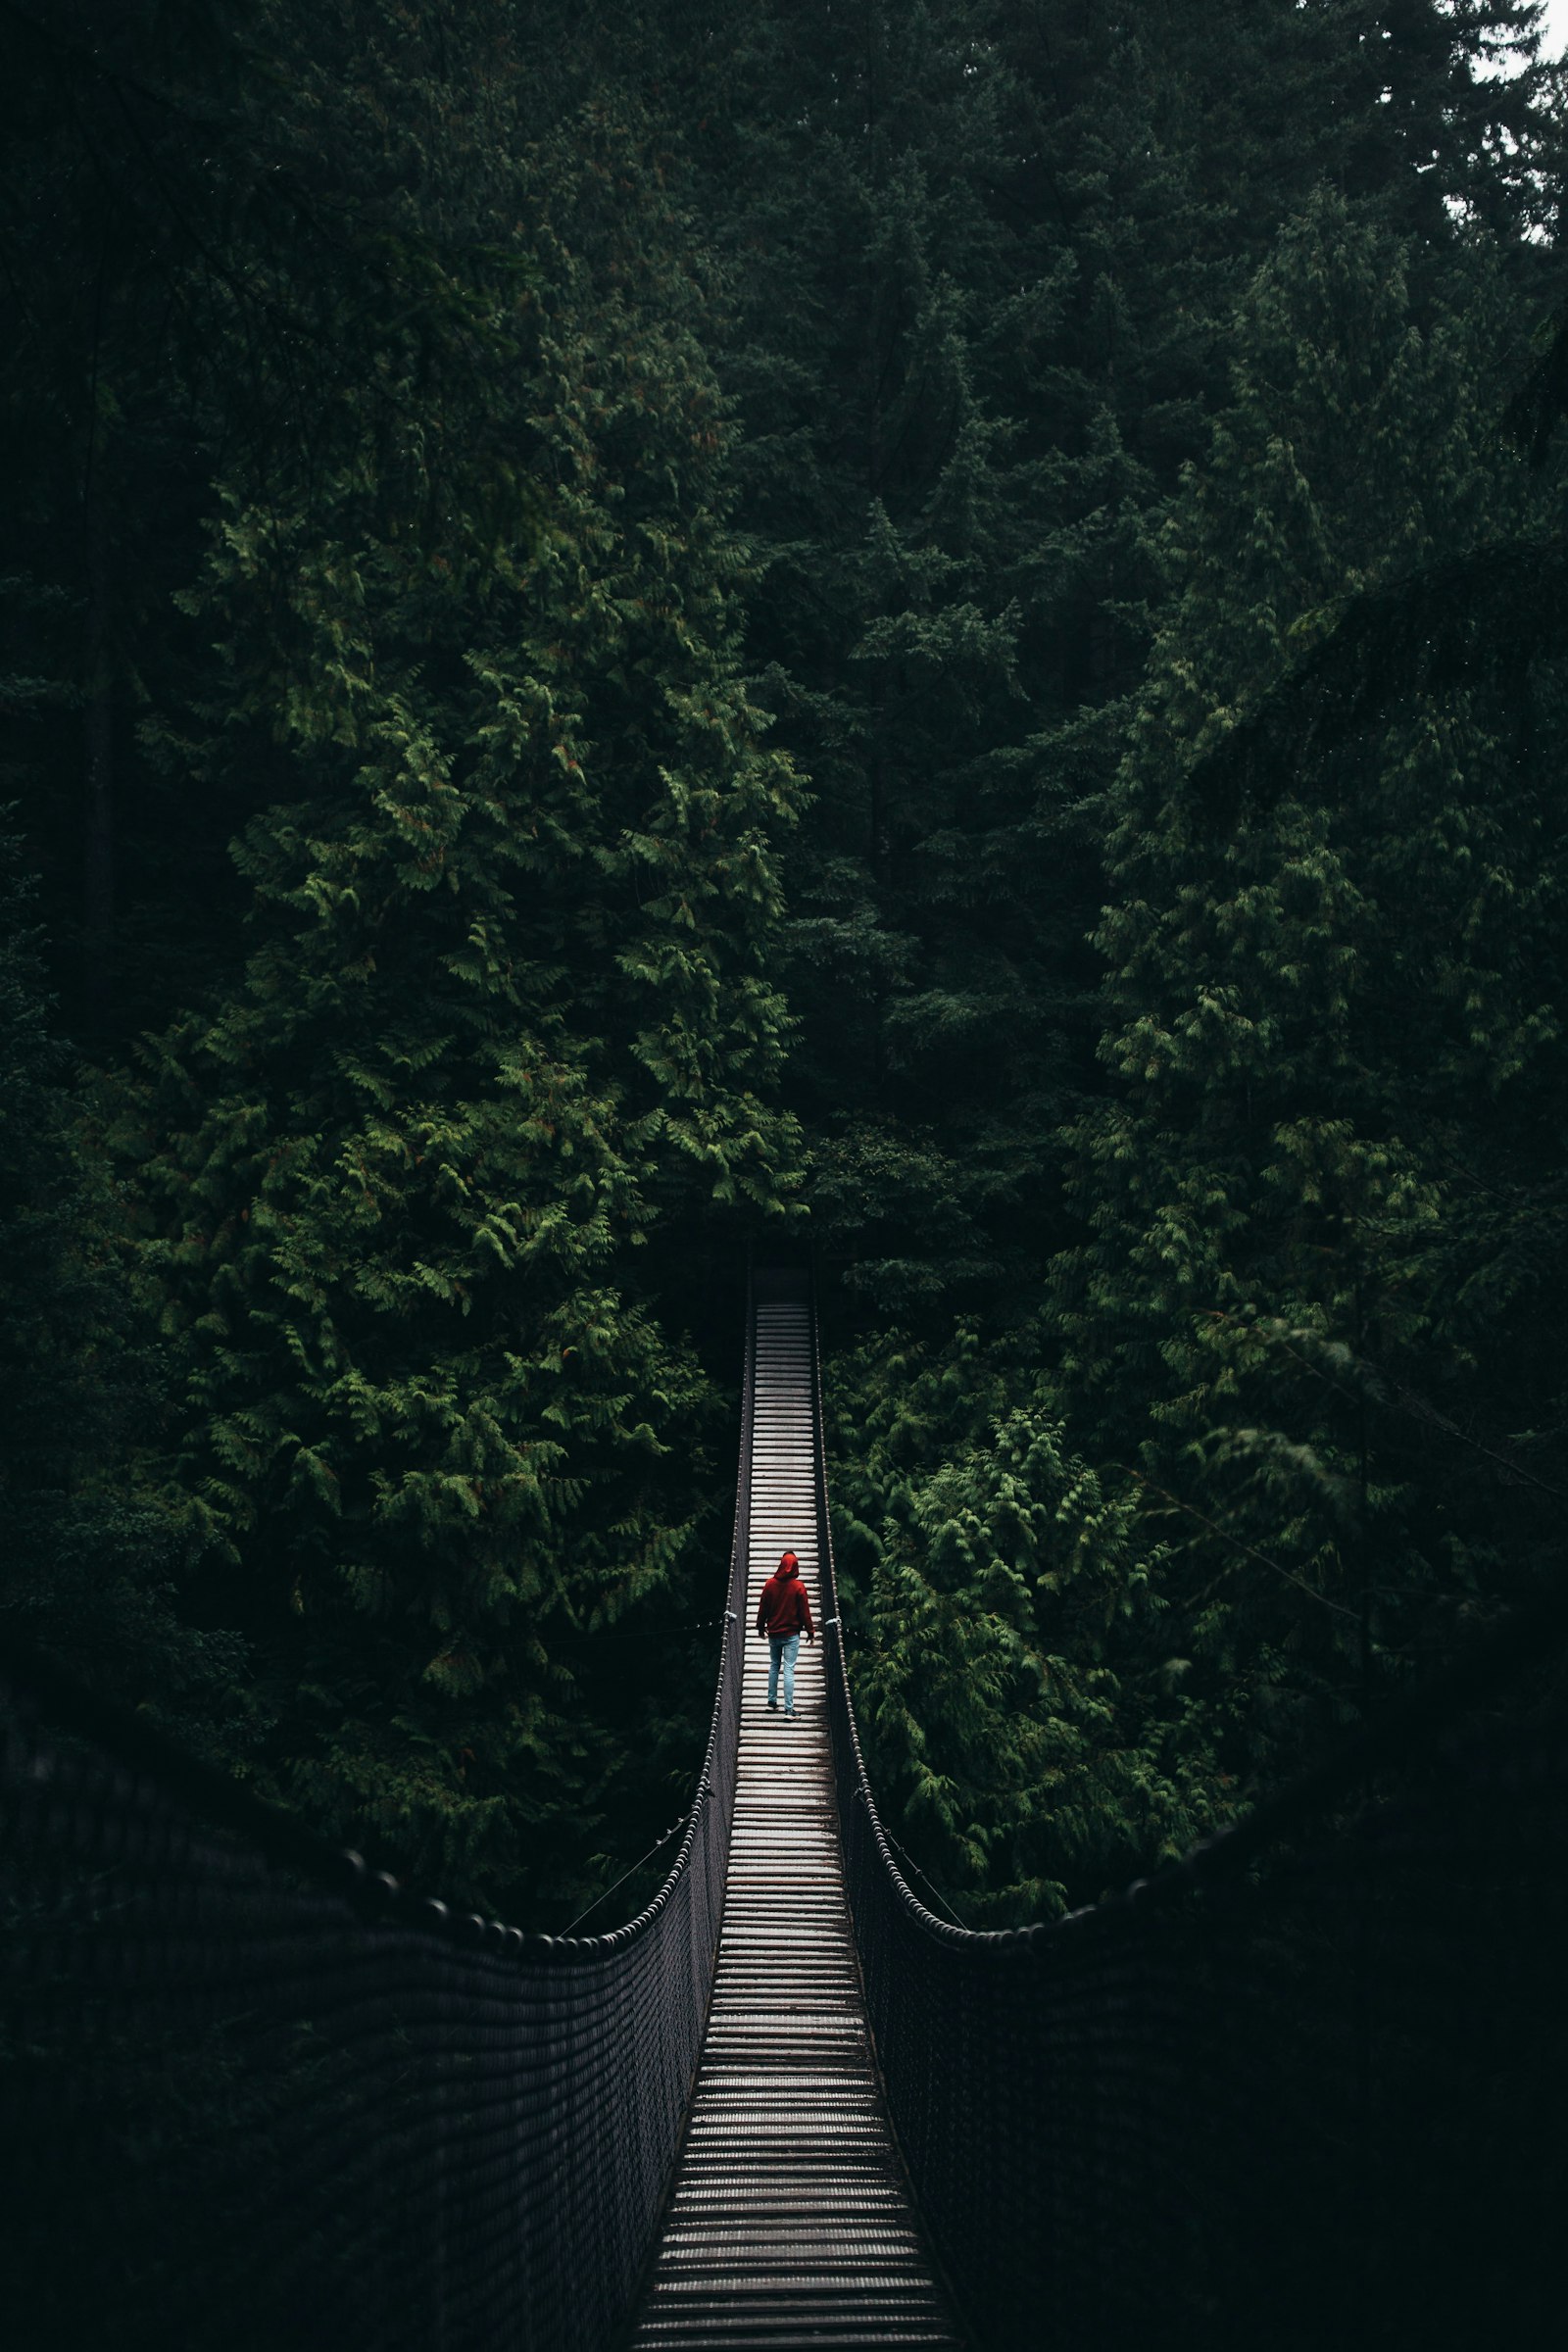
x: 257, y: 2095
x: 1308, y: 2089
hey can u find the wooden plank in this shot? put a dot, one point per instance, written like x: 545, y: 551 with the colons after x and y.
x: 789, y: 2225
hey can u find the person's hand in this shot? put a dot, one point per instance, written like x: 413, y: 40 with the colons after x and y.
x: 811, y: 1637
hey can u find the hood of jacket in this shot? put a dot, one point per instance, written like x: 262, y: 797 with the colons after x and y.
x: 788, y: 1566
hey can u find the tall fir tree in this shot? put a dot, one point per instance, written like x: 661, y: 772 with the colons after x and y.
x: 1305, y: 1346
x: 503, y: 1013
x: 1335, y: 1034
x: 983, y: 260
x: 557, y: 368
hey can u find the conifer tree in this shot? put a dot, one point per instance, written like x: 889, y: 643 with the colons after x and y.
x: 1029, y: 1727
x: 90, y: 1556
x: 504, y: 1012
x: 1304, y: 1347
x: 1335, y: 1040
x: 499, y: 388
x: 984, y: 262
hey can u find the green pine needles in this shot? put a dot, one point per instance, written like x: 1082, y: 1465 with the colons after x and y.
x: 1119, y: 448
x: 504, y: 1019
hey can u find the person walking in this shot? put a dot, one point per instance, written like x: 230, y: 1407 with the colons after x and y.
x: 783, y: 1614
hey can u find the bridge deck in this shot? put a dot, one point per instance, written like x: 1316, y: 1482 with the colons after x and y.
x: 791, y: 2223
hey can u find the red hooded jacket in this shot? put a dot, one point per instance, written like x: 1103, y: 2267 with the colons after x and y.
x: 784, y: 1608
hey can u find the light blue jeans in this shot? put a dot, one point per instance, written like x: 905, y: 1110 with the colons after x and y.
x: 782, y: 1653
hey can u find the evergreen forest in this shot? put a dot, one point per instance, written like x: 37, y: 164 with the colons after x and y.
x: 932, y: 631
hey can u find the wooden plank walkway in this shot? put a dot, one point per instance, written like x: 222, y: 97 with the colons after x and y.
x: 791, y: 2225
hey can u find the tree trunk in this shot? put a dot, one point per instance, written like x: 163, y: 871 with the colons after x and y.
x: 98, y: 811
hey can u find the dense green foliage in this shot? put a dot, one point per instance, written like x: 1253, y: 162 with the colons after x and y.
x: 502, y: 1017
x: 92, y: 1559
x: 459, y: 663
x: 622, y: 621
x: 1168, y: 1304
x: 1302, y: 1331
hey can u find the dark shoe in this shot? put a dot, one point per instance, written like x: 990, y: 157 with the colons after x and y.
x: 772, y: 1706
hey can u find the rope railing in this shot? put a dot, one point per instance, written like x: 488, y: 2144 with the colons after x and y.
x: 1306, y: 2090
x: 260, y: 2096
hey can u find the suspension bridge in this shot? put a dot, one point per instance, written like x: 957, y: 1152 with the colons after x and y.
x: 1305, y: 2088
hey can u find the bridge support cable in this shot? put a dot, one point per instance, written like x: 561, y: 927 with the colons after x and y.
x: 789, y: 2225
x: 258, y: 2097
x: 1306, y: 2090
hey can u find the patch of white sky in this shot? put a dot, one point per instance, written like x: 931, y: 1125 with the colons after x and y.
x: 1553, y: 30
